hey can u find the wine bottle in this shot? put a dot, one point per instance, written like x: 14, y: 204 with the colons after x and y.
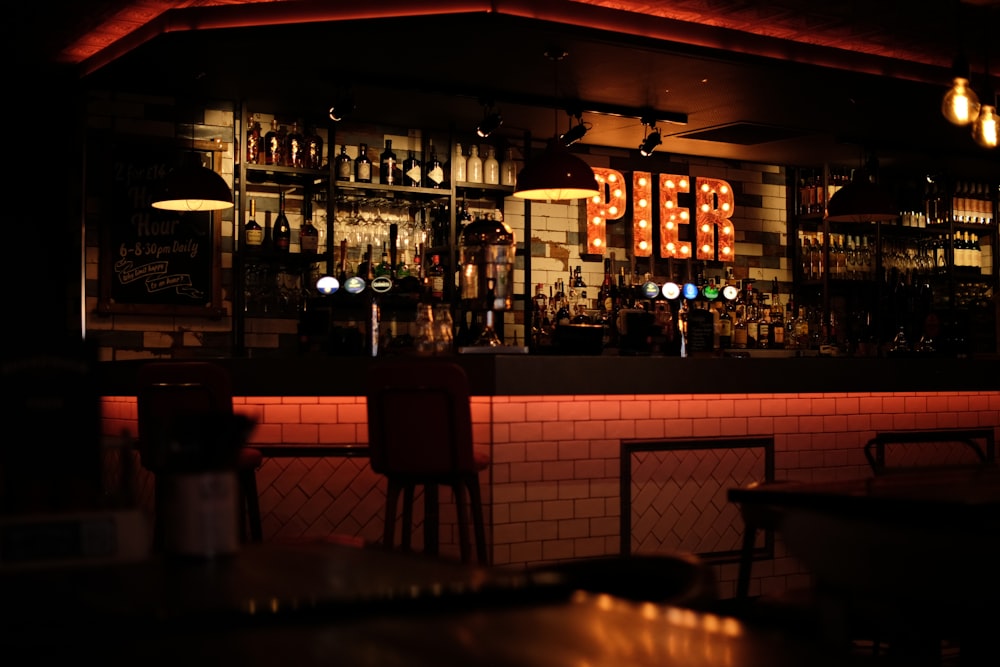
x: 253, y: 233
x: 363, y: 165
x: 253, y: 140
x: 412, y: 176
x: 435, y: 172
x: 295, y: 147
x: 474, y: 165
x: 389, y: 166
x: 282, y: 230
x: 344, y: 165
x: 435, y: 275
x: 308, y: 234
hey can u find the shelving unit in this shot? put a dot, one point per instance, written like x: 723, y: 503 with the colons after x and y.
x: 350, y: 215
x: 867, y: 283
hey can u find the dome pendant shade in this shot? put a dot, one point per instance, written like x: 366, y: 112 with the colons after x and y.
x: 861, y: 201
x: 556, y: 175
x: 192, y: 187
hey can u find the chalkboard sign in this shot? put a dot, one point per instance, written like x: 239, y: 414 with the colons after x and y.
x: 154, y: 261
x: 700, y: 330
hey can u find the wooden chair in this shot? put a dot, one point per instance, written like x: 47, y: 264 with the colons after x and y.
x: 420, y: 434
x: 190, y: 401
x: 901, y: 451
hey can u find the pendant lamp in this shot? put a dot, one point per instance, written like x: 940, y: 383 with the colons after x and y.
x: 193, y: 187
x: 556, y: 174
x: 862, y: 200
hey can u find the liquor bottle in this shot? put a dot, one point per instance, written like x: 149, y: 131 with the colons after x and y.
x: 491, y: 168
x: 508, y: 169
x: 253, y: 233
x: 764, y: 327
x: 726, y: 326
x: 384, y: 267
x: 274, y: 145
x: 777, y: 338
x: 801, y: 328
x: 751, y: 318
x: 435, y: 171
x: 308, y: 234
x: 344, y: 168
x: 295, y: 147
x: 362, y: 165
x: 253, y: 140
x: 314, y: 149
x: 435, y: 275
x: 474, y: 165
x: 739, y: 326
x: 389, y: 166
x: 459, y: 165
x: 606, y: 305
x: 412, y: 176
x: 282, y: 230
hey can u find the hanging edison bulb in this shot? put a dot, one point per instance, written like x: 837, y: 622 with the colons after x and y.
x: 960, y: 104
x: 984, y: 129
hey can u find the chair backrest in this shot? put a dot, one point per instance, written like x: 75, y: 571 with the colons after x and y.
x: 182, y: 403
x: 419, y: 418
x: 901, y: 451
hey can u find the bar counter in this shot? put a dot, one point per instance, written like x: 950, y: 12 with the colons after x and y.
x: 558, y: 375
x: 595, y: 455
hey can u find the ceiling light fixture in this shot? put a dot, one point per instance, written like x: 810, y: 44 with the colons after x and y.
x: 492, y: 120
x: 984, y: 128
x: 651, y: 140
x: 576, y: 132
x: 960, y: 104
x: 556, y: 174
x: 193, y: 187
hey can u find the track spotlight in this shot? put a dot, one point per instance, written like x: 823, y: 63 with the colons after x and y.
x: 651, y: 140
x: 575, y: 132
x: 342, y: 107
x: 491, y: 121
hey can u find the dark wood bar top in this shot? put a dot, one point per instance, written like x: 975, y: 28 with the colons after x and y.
x: 554, y: 375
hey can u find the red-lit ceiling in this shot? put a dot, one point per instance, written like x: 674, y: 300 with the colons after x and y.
x: 712, y: 60
x: 894, y: 29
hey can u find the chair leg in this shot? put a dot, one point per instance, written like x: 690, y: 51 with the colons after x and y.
x: 462, y: 513
x: 746, y: 560
x: 250, y: 507
x: 407, y: 528
x: 391, y: 501
x: 431, y: 520
x: 478, y: 523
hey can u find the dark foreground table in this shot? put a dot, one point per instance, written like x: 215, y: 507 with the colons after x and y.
x: 912, y: 555
x: 332, y: 604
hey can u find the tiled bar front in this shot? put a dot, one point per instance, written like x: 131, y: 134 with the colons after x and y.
x: 554, y: 490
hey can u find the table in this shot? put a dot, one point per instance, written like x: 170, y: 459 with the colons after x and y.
x: 910, y: 552
x: 322, y: 604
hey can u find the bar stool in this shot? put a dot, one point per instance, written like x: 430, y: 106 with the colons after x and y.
x: 168, y: 391
x: 420, y: 434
